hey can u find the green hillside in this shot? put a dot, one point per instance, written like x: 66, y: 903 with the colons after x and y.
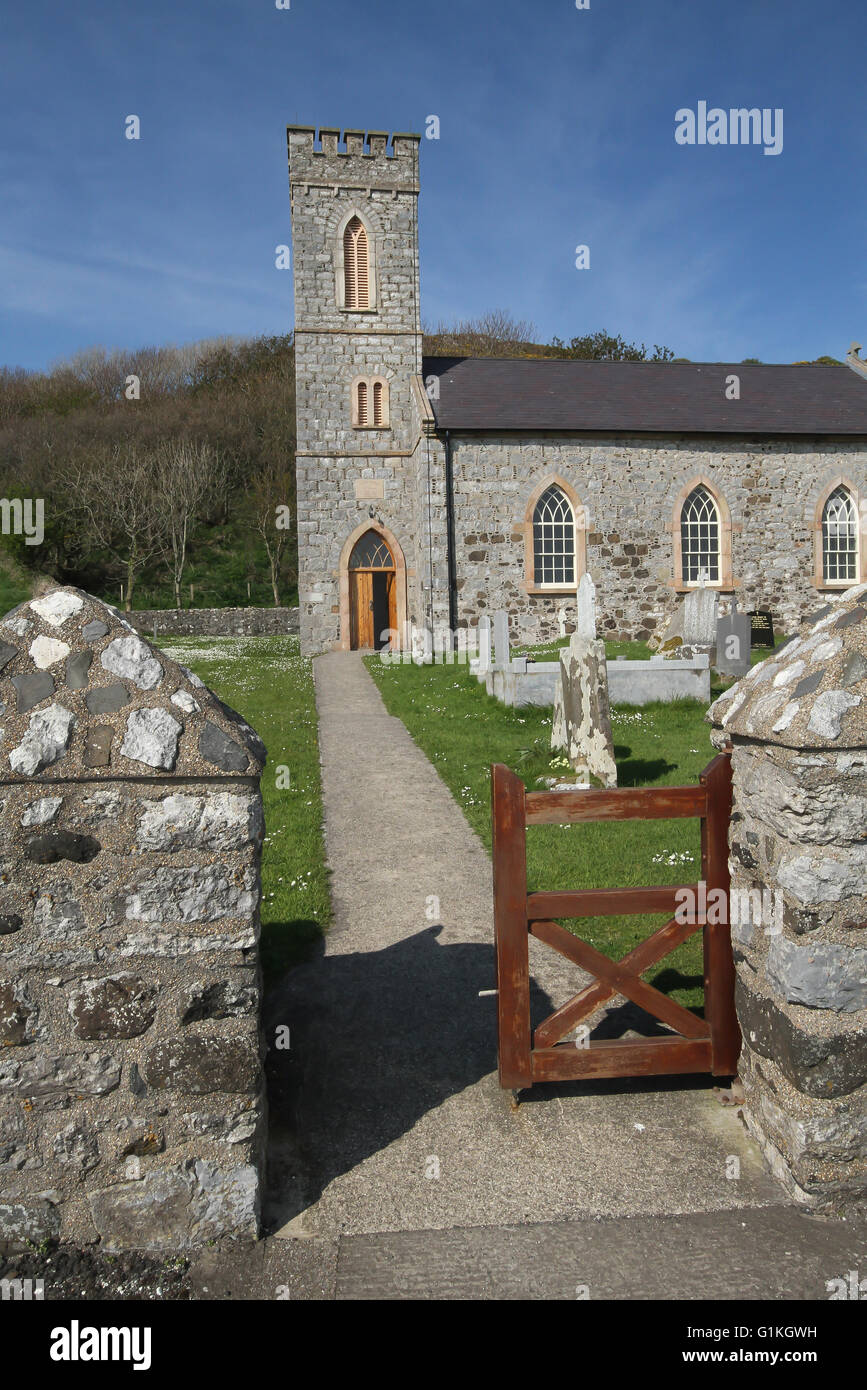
x: 99, y: 439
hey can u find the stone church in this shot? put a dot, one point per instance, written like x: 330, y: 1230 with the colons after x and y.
x: 434, y: 490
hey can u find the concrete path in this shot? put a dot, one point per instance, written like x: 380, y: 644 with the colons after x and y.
x: 387, y: 1116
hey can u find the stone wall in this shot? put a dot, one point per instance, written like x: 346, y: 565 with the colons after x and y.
x: 131, y: 1095
x: 628, y: 488
x: 215, y: 622
x: 798, y: 858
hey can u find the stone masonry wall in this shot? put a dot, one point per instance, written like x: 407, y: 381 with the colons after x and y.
x: 798, y: 858
x: 131, y: 1096
x: 215, y: 622
x: 628, y: 488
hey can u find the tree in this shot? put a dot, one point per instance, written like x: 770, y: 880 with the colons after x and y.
x: 497, y: 334
x: 270, y: 492
x: 602, y: 347
x: 494, y: 334
x: 114, y: 496
x: 189, y: 478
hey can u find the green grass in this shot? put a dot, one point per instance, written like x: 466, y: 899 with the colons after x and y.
x: 15, y: 584
x: 268, y: 682
x: 463, y: 730
x: 633, y: 651
x: 549, y: 651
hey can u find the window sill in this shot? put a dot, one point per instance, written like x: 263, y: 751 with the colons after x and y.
x: 725, y: 586
x: 553, y: 589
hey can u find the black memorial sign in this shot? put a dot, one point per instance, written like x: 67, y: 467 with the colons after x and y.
x: 761, y: 628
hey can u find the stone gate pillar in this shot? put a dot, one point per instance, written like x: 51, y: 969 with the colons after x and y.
x: 798, y: 855
x: 131, y: 1095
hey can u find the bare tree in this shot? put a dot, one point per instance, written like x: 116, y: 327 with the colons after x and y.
x: 270, y: 492
x: 494, y: 334
x: 189, y: 479
x: 114, y: 495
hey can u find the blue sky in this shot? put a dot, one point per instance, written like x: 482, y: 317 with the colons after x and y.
x: 557, y: 129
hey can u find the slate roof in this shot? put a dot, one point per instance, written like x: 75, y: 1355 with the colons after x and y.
x: 504, y: 393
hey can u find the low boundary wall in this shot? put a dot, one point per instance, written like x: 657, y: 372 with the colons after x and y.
x: 214, y: 622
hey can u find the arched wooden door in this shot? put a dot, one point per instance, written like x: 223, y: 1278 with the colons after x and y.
x: 372, y: 603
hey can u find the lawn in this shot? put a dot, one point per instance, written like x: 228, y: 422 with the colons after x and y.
x: 633, y: 651
x: 15, y: 584
x: 462, y: 730
x: 267, y: 681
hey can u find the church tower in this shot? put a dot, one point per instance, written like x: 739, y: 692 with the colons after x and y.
x: 354, y: 210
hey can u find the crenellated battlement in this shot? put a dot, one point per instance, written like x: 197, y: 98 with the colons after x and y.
x: 325, y: 153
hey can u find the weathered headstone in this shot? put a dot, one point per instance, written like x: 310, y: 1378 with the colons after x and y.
x: 733, y: 643
x: 582, y: 723
x: 484, y: 645
x: 558, y: 722
x: 762, y: 628
x: 502, y: 650
x: 586, y: 626
x: 131, y: 1092
x: 699, y: 618
x: 691, y: 629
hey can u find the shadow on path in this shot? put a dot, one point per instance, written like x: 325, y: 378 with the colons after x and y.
x: 379, y: 1039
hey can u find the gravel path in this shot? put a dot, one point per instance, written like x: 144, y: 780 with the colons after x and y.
x: 393, y: 1119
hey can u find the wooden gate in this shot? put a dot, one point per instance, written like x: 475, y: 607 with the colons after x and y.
x: 711, y: 1044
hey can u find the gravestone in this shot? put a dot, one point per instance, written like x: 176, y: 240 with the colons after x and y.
x: 699, y: 618
x: 691, y: 630
x: 586, y: 626
x: 762, y: 628
x: 558, y: 722
x: 733, y: 643
x: 484, y: 645
x: 581, y: 726
x: 131, y: 1090
x: 502, y: 650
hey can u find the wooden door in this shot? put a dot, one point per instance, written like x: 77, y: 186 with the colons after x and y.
x: 392, y: 602
x: 361, y: 608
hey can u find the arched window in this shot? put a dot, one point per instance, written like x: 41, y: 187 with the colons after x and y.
x: 356, y: 265
x: 370, y: 403
x: 700, y: 537
x: 840, y: 538
x: 553, y: 540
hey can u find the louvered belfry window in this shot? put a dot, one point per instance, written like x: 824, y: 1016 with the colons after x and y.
x: 378, y: 413
x: 553, y: 539
x: 840, y: 538
x: 700, y: 537
x: 362, y: 402
x: 356, y: 265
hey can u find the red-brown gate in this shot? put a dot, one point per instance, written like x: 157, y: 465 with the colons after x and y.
x: 709, y: 1044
